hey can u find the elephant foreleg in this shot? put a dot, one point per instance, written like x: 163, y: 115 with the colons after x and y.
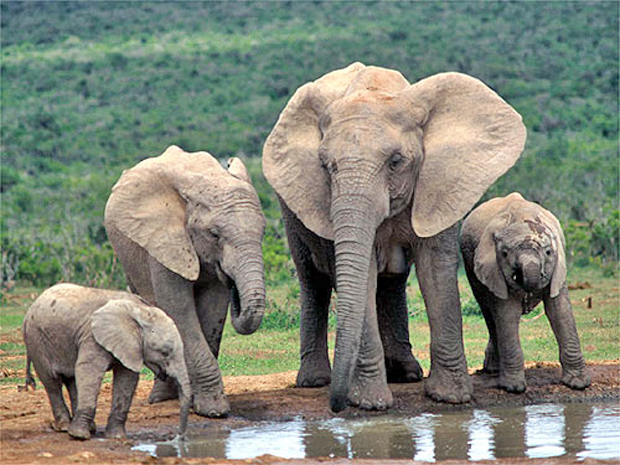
x: 175, y: 295
x: 91, y: 365
x: 486, y: 302
x: 436, y: 262
x: 560, y: 314
x: 315, y: 294
x: 393, y: 317
x: 507, y: 316
x: 123, y: 388
x: 212, y: 304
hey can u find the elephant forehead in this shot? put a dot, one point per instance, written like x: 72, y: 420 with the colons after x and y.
x: 529, y: 231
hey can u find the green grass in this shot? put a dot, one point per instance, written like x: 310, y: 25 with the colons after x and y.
x: 275, y: 348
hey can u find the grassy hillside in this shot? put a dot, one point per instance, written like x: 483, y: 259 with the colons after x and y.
x: 89, y: 89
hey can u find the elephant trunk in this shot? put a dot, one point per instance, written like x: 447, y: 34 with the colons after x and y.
x: 248, y: 291
x: 530, y: 271
x: 354, y: 236
x: 181, y: 377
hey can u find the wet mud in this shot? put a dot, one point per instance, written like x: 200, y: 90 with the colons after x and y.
x: 27, y: 437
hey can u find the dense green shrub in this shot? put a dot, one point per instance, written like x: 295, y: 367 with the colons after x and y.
x: 91, y: 88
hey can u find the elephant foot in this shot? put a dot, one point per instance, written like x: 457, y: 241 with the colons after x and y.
x: 451, y: 386
x: 487, y: 371
x: 370, y: 394
x: 313, y: 372
x: 115, y: 432
x: 82, y: 425
x: 211, y: 406
x: 403, y: 371
x: 512, y: 382
x: 575, y: 380
x: 61, y: 425
x: 490, y: 365
x: 162, y: 391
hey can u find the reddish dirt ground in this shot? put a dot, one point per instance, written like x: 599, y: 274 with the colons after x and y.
x: 26, y: 435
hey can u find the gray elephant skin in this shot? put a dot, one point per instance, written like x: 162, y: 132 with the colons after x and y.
x: 74, y: 334
x: 188, y: 233
x: 373, y: 174
x: 514, y: 257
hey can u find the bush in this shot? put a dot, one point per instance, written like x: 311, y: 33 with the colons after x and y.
x: 471, y: 308
x: 44, y: 263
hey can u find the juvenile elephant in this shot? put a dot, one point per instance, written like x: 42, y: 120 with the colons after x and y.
x: 373, y: 174
x: 188, y: 233
x: 514, y: 257
x: 74, y: 334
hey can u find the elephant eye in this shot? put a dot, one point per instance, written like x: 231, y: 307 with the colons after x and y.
x: 215, y: 233
x: 548, y: 252
x: 395, y: 159
x: 504, y: 253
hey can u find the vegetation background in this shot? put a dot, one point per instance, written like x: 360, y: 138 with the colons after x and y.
x: 91, y: 88
x: 88, y: 89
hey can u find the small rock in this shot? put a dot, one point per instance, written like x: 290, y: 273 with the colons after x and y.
x: 79, y: 457
x: 46, y: 455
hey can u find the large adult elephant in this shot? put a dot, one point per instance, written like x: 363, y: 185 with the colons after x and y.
x: 373, y: 174
x: 188, y: 233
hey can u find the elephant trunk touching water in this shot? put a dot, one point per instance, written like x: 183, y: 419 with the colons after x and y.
x: 373, y: 173
x: 355, y: 216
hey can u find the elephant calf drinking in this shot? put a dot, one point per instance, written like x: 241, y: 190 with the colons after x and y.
x: 75, y: 334
x: 514, y: 257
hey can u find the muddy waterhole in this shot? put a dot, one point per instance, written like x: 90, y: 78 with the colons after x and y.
x: 574, y: 430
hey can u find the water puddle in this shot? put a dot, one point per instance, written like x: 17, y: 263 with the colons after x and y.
x: 576, y: 431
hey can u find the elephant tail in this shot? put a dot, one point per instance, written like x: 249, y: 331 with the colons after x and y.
x: 30, y: 382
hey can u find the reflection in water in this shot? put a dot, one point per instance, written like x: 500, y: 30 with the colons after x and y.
x: 544, y: 431
x: 537, y: 431
x: 481, y: 439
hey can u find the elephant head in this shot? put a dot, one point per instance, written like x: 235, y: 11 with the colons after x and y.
x: 193, y: 217
x: 361, y: 145
x: 137, y: 334
x: 521, y: 248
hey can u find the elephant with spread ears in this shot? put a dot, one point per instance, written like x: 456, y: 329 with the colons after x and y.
x: 188, y: 233
x: 373, y: 174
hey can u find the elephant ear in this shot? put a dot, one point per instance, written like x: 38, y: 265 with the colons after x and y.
x: 148, y: 206
x: 559, y: 274
x: 471, y: 137
x: 116, y: 331
x: 486, y: 268
x: 290, y: 156
x: 237, y: 168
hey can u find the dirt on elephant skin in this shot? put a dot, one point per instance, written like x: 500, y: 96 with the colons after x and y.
x: 27, y: 437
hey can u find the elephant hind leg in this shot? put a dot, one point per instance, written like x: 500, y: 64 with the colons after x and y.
x: 392, y: 313
x: 53, y: 387
x: 69, y: 382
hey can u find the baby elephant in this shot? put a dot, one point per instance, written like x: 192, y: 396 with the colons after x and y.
x: 75, y: 334
x: 514, y: 258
